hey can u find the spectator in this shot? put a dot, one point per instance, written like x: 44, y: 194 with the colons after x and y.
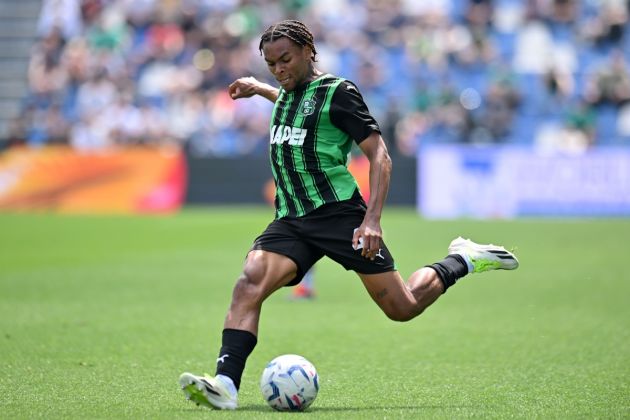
x: 60, y: 15
x: 426, y: 68
x: 610, y: 84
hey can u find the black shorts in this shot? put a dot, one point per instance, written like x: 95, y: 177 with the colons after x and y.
x: 328, y: 230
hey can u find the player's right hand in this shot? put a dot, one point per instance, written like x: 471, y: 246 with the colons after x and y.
x: 245, y: 87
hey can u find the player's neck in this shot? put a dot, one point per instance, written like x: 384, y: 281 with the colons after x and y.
x: 312, y: 75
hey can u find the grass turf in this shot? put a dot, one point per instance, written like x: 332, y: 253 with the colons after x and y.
x: 100, y: 315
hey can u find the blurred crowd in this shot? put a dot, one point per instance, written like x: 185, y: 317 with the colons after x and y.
x: 553, y: 73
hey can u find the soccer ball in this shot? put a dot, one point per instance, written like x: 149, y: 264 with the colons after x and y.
x: 289, y: 383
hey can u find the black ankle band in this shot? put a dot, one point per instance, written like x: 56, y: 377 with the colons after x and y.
x: 450, y: 269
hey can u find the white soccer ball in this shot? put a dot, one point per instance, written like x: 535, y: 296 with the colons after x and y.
x: 289, y: 383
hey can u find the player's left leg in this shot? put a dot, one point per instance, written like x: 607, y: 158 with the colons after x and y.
x: 402, y: 301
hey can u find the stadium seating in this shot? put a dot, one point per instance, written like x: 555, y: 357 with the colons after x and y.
x: 156, y: 72
x: 17, y: 35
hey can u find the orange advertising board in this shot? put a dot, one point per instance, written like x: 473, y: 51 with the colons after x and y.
x: 121, y: 180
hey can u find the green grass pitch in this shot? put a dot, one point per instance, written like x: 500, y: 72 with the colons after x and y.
x: 100, y: 315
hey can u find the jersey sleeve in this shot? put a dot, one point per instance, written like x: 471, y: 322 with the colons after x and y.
x: 349, y: 113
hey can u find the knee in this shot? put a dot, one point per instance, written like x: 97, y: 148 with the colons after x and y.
x: 401, y: 314
x: 249, y: 287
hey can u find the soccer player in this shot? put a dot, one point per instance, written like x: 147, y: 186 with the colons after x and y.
x: 306, y: 288
x: 319, y: 211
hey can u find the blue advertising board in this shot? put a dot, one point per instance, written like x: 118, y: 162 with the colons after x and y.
x: 511, y: 181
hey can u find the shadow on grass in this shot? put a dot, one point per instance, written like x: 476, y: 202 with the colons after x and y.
x: 321, y: 410
x: 265, y: 409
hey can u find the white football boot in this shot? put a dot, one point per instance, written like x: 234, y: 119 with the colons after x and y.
x: 480, y: 258
x: 211, y: 392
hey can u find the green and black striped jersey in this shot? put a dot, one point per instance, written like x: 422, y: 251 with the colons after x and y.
x: 311, y: 134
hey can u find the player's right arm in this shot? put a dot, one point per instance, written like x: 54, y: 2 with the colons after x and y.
x: 246, y: 87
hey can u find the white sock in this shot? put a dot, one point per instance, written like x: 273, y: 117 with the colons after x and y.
x: 307, y: 280
x: 229, y: 383
x: 469, y: 264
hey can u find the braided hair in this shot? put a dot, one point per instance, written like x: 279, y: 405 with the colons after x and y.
x: 295, y: 30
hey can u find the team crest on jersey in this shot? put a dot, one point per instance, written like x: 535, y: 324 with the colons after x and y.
x: 308, y: 106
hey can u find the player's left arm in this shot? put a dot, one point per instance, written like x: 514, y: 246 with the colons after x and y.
x: 380, y: 171
x: 350, y: 114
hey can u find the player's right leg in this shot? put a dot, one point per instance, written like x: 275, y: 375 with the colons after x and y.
x: 211, y: 392
x: 264, y: 272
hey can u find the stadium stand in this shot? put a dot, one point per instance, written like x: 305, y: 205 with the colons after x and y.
x: 105, y: 72
x: 17, y: 36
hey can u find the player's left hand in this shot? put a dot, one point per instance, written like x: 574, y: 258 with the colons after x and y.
x: 367, y: 238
